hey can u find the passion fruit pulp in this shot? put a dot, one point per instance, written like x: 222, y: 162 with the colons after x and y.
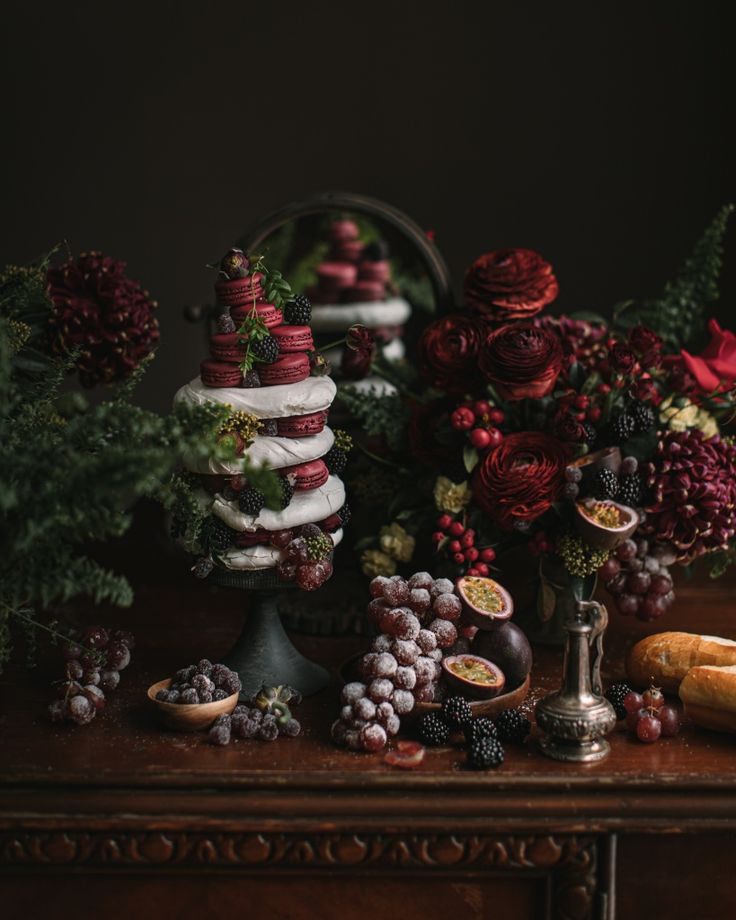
x: 485, y: 602
x: 604, y: 524
x: 473, y: 676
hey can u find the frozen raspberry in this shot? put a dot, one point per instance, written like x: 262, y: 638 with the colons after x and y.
x: 373, y: 737
x: 189, y: 696
x: 425, y: 693
x: 380, y: 690
x: 419, y: 600
x: 205, y: 696
x: 402, y: 701
x: 445, y: 632
x: 219, y: 695
x: 353, y: 692
x: 424, y: 670
x: 405, y: 625
x: 393, y: 724
x: 381, y: 643
x: 396, y: 593
x: 338, y: 731
x: 426, y: 640
x: 405, y: 651
x: 310, y: 576
x: 384, y: 711
x: 421, y: 580
x: 384, y: 665
x: 441, y: 586
x: 352, y: 740
x: 447, y: 607
x: 202, y: 683
x: 204, y: 667
x: 375, y: 609
x: 268, y: 730
x: 377, y: 585
x: 365, y: 709
x: 405, y: 678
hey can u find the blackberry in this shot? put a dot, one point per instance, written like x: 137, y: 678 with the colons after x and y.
x: 265, y: 350
x: 225, y: 323
x: 605, y: 484
x: 513, y: 725
x: 251, y: 501
x: 221, y: 536
x: 336, y: 460
x: 269, y: 427
x: 344, y: 514
x: 433, y: 729
x: 250, y: 380
x: 591, y: 435
x: 629, y: 490
x: 457, y: 711
x: 615, y: 696
x: 287, y: 491
x: 482, y: 727
x: 298, y: 312
x: 485, y: 753
x: 623, y: 427
x: 643, y: 416
x: 376, y: 251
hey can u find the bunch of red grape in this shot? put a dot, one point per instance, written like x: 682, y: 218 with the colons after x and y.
x: 94, y: 661
x: 416, y: 622
x: 638, y: 578
x: 649, y: 717
x: 307, y: 555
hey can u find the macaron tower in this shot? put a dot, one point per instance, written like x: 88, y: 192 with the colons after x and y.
x: 354, y: 285
x: 263, y: 366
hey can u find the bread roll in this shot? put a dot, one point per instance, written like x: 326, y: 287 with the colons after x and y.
x: 709, y: 695
x: 665, y: 658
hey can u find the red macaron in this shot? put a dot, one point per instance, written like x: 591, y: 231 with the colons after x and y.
x: 375, y: 271
x: 301, y: 426
x: 267, y: 312
x: 365, y: 292
x: 307, y: 476
x: 220, y: 374
x: 235, y: 291
x: 333, y: 275
x: 287, y: 369
x: 229, y: 346
x: 341, y: 231
x: 293, y: 338
x: 349, y: 251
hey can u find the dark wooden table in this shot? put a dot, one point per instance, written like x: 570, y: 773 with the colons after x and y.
x: 118, y: 817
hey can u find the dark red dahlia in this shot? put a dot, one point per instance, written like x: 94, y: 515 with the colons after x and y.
x: 510, y: 284
x: 692, y: 481
x: 104, y: 315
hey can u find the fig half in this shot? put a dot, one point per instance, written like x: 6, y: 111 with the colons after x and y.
x: 473, y: 676
x: 485, y: 602
x: 604, y: 524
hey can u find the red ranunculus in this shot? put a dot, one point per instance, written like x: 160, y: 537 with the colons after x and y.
x: 448, y: 351
x: 622, y: 358
x: 647, y: 345
x: 510, y: 284
x: 715, y: 367
x: 522, y: 360
x: 520, y: 479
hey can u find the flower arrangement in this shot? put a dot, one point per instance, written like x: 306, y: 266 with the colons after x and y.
x: 596, y: 447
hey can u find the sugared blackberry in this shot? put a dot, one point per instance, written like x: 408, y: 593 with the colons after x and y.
x: 457, y: 711
x: 485, y: 753
x: 433, y: 729
x: 591, y: 435
x: 225, y: 323
x: 287, y: 491
x: 336, y: 460
x: 615, y: 696
x: 623, y: 427
x: 605, y: 484
x: 629, y: 490
x: 269, y: 427
x: 643, y: 416
x: 482, y: 727
x: 513, y: 725
x: 344, y: 514
x: 250, y: 380
x: 298, y: 312
x: 221, y: 536
x: 251, y: 501
x: 265, y: 350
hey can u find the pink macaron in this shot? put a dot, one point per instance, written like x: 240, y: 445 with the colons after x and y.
x: 349, y: 251
x: 231, y: 292
x: 375, y: 271
x: 333, y: 275
x: 293, y: 338
x: 343, y: 230
x: 287, y: 369
x: 301, y: 426
x: 365, y: 292
x: 229, y: 346
x: 307, y: 476
x: 220, y: 374
x: 270, y: 314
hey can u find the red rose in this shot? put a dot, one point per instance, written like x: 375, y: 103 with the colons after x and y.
x: 520, y: 479
x: 715, y: 367
x: 448, y: 351
x: 622, y: 358
x: 510, y: 284
x: 521, y: 360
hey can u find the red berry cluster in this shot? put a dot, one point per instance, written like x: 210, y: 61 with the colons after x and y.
x: 459, y: 543
x: 481, y: 421
x: 582, y: 407
x: 648, y: 716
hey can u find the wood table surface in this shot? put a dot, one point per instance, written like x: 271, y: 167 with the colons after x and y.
x: 143, y: 819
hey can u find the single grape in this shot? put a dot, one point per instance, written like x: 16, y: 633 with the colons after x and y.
x: 648, y: 729
x: 642, y: 548
x: 635, y: 565
x: 118, y: 656
x: 419, y: 600
x: 653, y: 698
x: 633, y: 702
x: 626, y: 551
x: 396, y: 593
x: 421, y: 580
x: 352, y: 692
x: 571, y: 491
x: 617, y: 585
x: 660, y: 584
x: 610, y: 568
x: 74, y: 669
x: 95, y: 637
x: 81, y: 710
x: 668, y: 600
x: 628, y: 604
x: 629, y: 466
x: 380, y: 690
x: 573, y: 474
x: 670, y: 720
x: 638, y: 582
x: 377, y: 585
x: 71, y: 650
x: 632, y: 718
x: 281, y: 538
x: 426, y: 640
x: 365, y: 709
x: 373, y: 737
x: 447, y: 607
x: 652, y: 607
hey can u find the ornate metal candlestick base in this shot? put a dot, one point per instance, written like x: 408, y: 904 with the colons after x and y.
x: 264, y: 654
x: 576, y: 717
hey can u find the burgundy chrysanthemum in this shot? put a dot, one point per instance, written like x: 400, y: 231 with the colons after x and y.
x: 104, y: 315
x: 692, y: 481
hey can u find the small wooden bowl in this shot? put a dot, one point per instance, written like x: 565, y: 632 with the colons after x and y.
x: 189, y: 717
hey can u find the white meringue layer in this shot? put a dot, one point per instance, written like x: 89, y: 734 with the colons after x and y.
x: 315, y: 394
x: 260, y: 556
x: 337, y: 317
x: 272, y: 452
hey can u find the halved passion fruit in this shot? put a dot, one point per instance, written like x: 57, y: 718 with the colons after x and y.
x: 473, y: 676
x: 485, y: 602
x: 604, y: 524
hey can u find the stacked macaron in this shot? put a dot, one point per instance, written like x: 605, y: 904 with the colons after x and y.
x: 262, y: 367
x: 354, y: 285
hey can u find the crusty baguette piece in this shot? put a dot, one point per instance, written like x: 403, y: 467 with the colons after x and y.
x: 709, y: 695
x: 665, y: 658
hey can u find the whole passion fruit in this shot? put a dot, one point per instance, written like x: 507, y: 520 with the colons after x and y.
x: 473, y: 676
x: 485, y: 602
x: 604, y: 524
x: 508, y: 648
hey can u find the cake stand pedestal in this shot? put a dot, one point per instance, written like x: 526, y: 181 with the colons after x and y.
x: 263, y: 654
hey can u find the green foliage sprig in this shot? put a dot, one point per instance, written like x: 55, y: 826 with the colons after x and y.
x: 378, y: 413
x: 276, y: 288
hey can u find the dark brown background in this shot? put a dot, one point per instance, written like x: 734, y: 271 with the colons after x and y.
x: 157, y: 132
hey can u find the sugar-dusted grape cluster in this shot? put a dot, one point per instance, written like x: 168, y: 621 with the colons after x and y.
x: 649, y: 717
x: 94, y: 659
x: 638, y: 578
x: 203, y: 682
x: 307, y: 555
x: 265, y: 717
